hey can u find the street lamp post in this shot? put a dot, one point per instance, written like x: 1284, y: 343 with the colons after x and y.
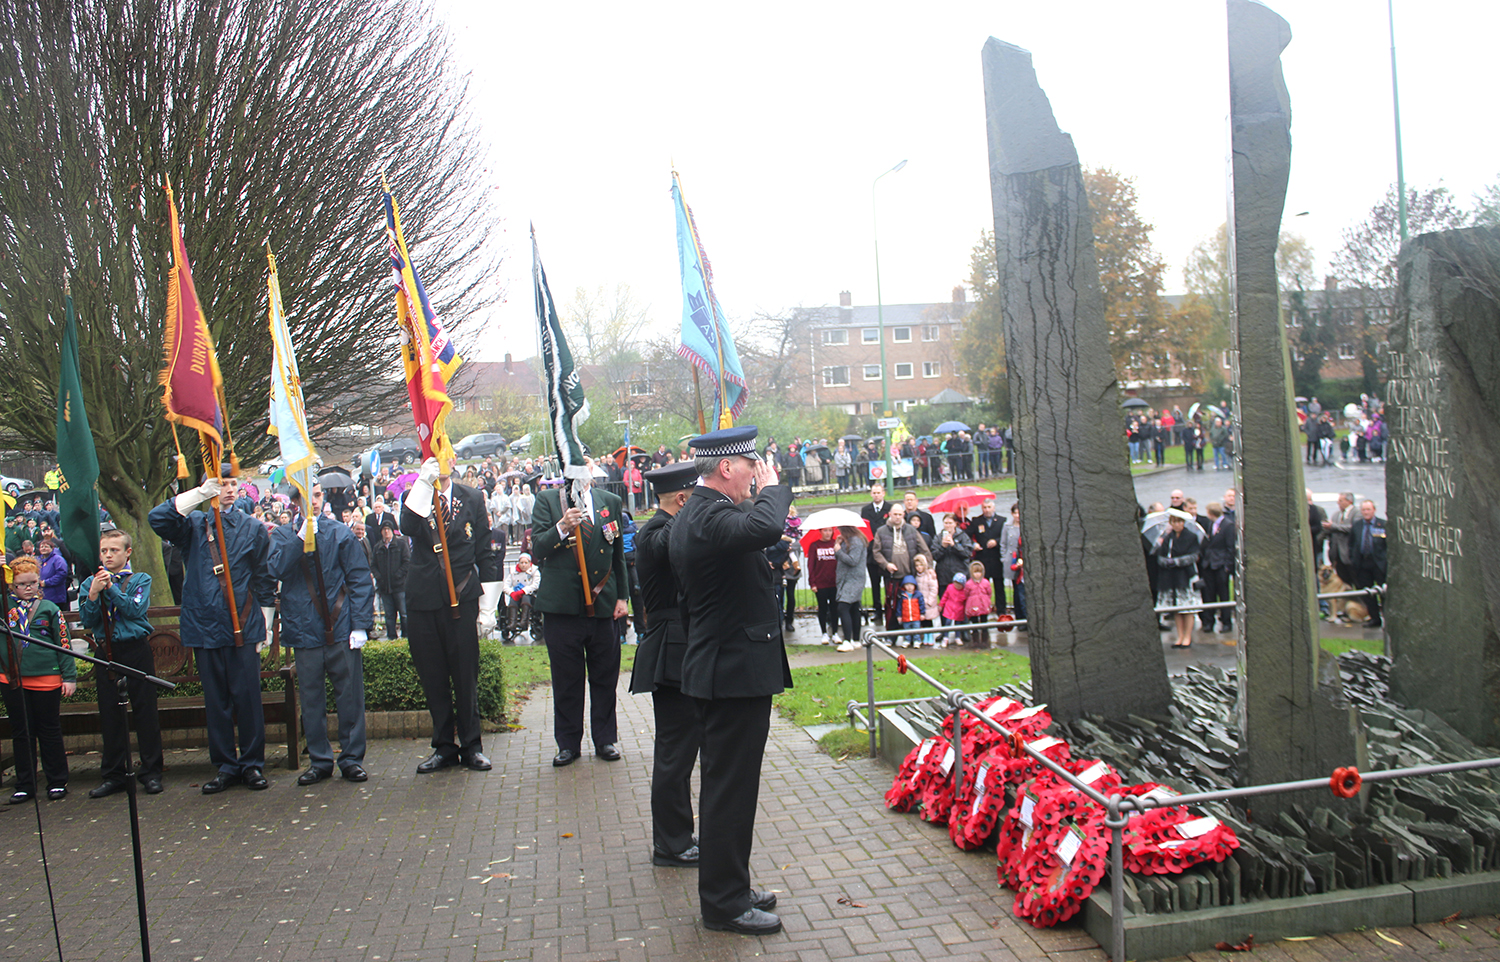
x: 885, y: 394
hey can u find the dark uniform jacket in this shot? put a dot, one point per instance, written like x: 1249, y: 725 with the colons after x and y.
x: 1376, y: 557
x: 345, y: 573
x: 468, y: 530
x: 658, y: 658
x: 205, y: 621
x: 728, y: 598
x: 981, y: 531
x: 561, y: 591
x: 390, y: 564
x: 1220, y: 546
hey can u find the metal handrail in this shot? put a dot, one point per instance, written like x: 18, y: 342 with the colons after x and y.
x: 1118, y: 808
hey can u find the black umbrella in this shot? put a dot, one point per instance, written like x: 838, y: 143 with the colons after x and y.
x: 852, y: 437
x: 1134, y: 402
x: 334, y: 478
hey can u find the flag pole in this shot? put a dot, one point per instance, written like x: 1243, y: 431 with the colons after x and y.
x: 442, y: 527
x: 234, y: 612
x: 698, y: 400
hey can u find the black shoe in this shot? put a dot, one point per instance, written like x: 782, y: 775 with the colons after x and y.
x: 751, y: 922
x: 106, y: 788
x: 475, y: 761
x: 566, y: 756
x: 1372, y: 623
x: 255, y: 779
x: 313, y: 776
x: 436, y: 762
x: 610, y: 753
x: 687, y: 857
x: 765, y: 901
x: 354, y: 772
x: 20, y: 795
x: 220, y: 782
x: 152, y: 785
x: 57, y: 793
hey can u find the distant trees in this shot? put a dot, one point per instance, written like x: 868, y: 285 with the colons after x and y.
x: 272, y: 121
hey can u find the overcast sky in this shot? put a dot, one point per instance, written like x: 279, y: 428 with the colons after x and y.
x: 779, y: 117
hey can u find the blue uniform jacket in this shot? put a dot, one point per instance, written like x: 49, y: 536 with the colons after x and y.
x: 205, y: 621
x: 344, y: 564
x: 128, y: 608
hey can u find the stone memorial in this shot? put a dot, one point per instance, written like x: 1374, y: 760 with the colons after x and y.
x: 1294, y: 720
x: 1442, y: 412
x: 1095, y: 647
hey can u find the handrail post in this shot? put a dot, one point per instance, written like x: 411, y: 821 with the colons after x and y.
x: 958, y: 703
x: 870, y: 688
x: 1116, y: 823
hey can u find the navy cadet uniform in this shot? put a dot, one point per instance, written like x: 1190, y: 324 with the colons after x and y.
x: 444, y: 648
x: 584, y: 650
x: 327, y: 647
x: 658, y: 670
x: 734, y: 663
x: 230, y: 674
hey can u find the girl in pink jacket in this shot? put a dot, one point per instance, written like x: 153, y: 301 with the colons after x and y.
x: 953, y: 607
x: 979, y: 601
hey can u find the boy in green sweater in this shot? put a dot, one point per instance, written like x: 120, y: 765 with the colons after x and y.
x: 46, y: 677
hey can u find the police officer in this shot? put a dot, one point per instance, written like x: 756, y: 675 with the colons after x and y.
x: 229, y: 668
x: 658, y: 670
x: 326, y: 632
x: 734, y: 663
x: 444, y: 642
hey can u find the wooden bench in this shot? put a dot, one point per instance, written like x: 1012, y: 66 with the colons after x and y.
x: 174, y: 662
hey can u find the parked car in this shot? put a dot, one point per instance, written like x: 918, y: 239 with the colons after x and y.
x: 14, y: 486
x: 399, y: 451
x: 521, y: 444
x: 479, y: 445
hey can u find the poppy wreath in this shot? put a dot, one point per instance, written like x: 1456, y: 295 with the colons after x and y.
x: 996, y: 707
x: 1020, y: 767
x: 936, y: 799
x: 1005, y: 620
x: 1166, y: 840
x: 979, y: 808
x: 905, y: 790
x: 1062, y: 867
x: 1016, y: 833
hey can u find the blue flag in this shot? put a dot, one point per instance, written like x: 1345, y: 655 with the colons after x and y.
x: 706, y: 340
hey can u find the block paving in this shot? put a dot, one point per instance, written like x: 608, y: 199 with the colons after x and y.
x: 535, y: 863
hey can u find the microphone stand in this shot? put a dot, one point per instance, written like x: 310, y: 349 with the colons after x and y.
x: 119, y: 671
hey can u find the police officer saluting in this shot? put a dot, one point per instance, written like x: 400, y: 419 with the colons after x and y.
x: 734, y: 663
x: 327, y: 612
x: 658, y: 670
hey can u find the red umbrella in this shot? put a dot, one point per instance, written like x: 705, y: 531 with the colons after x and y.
x: 814, y: 524
x: 963, y: 496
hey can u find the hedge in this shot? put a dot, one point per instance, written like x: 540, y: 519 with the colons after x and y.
x: 391, y: 683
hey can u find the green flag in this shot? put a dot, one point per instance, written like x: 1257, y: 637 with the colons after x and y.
x: 77, y: 500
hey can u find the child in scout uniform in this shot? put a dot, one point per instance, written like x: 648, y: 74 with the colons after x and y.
x: 35, y: 708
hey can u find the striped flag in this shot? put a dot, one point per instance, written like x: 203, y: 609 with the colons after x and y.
x: 706, y: 340
x: 427, y: 353
x: 288, y: 409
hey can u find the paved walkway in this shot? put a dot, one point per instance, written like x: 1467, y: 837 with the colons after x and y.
x: 528, y: 862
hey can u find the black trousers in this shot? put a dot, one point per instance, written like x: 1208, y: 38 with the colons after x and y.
x: 445, y: 652
x: 734, y: 744
x: 135, y: 653
x: 582, y: 650
x: 1368, y: 576
x: 679, y: 731
x: 231, y: 702
x: 1215, y: 587
x: 43, y: 710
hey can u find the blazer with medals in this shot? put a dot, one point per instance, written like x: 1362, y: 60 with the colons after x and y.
x: 469, y: 552
x: 735, y: 649
x: 658, y: 658
x: 561, y: 592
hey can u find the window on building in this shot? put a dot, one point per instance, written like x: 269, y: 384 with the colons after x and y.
x: 459, y: 404
x: 870, y: 335
x: 872, y: 372
x: 836, y: 336
x: 929, y: 332
x: 1224, y: 360
x: 901, y: 335
x: 486, y: 404
x: 904, y: 369
x: 1347, y: 352
x: 835, y: 376
x: 932, y: 368
x: 640, y: 388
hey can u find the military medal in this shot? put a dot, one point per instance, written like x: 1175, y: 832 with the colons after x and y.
x: 468, y: 529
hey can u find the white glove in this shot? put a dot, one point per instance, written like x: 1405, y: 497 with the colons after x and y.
x: 302, y: 531
x: 419, y: 498
x: 489, y: 600
x: 357, y: 638
x: 190, y: 499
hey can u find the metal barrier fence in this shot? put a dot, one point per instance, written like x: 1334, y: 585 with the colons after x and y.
x: 1118, y: 808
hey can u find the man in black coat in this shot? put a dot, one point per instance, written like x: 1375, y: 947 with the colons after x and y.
x: 987, y: 530
x: 392, y: 558
x: 444, y: 640
x: 734, y: 663
x: 875, y: 514
x: 658, y: 670
x: 1367, y: 544
x: 1216, y: 566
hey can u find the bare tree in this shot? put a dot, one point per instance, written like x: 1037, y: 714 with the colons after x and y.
x: 272, y: 121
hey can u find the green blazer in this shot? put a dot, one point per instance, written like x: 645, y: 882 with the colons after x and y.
x: 561, y: 591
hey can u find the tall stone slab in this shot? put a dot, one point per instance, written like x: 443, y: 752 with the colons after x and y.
x: 1442, y: 481
x: 1294, y: 720
x: 1094, y: 644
